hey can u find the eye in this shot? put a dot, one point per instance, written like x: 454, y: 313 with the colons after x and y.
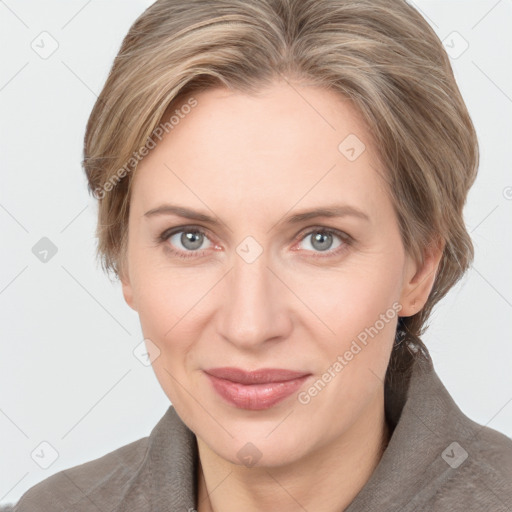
x: 323, y: 240
x: 187, y: 240
x: 191, y: 241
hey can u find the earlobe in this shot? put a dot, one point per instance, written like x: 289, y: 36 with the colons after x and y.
x: 419, y: 279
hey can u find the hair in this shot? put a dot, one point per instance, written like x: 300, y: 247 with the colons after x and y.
x: 379, y: 54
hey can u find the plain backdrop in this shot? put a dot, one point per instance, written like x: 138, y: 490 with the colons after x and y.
x: 71, y: 389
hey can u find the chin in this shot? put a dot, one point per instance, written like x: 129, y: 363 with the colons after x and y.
x: 263, y: 446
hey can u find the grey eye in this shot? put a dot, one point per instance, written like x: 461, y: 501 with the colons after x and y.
x: 321, y: 240
x: 190, y: 240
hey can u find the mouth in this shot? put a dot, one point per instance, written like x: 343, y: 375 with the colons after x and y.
x: 258, y: 389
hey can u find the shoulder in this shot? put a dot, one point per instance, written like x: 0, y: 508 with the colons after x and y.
x: 479, y: 473
x: 94, y: 485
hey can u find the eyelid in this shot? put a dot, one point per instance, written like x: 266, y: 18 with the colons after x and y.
x: 324, y: 229
x: 167, y: 233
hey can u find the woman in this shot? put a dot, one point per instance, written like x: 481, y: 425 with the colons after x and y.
x: 281, y: 186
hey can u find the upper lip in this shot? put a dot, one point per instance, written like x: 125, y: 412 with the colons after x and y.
x: 260, y: 376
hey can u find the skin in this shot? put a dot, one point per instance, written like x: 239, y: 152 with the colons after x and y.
x: 250, y: 162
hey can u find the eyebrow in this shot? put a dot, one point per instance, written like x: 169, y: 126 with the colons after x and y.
x: 301, y: 216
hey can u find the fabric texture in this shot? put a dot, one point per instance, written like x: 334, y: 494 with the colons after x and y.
x: 437, y: 460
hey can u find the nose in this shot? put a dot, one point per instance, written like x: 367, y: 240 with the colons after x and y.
x: 253, y: 309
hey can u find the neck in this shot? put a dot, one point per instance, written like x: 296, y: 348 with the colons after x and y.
x: 327, y: 480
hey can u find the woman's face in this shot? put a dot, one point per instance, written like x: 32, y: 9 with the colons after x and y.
x: 249, y: 281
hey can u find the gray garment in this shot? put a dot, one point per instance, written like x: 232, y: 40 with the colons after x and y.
x: 423, y: 467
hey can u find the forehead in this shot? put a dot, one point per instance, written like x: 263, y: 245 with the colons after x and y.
x: 283, y: 145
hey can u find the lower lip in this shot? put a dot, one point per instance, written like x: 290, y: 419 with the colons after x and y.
x: 255, y: 397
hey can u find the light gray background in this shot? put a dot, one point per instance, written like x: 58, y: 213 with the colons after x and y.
x: 68, y: 376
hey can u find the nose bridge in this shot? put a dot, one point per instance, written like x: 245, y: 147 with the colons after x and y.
x: 250, y: 313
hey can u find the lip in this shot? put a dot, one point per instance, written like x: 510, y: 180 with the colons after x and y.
x: 255, y: 390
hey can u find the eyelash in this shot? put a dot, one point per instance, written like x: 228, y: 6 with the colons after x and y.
x: 346, y: 239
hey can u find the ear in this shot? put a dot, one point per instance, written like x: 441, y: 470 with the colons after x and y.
x: 419, y: 278
x: 124, y: 277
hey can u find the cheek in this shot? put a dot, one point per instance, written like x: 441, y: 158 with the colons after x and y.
x: 166, y: 312
x: 164, y: 300
x: 357, y: 305
x: 353, y: 296
x: 163, y: 292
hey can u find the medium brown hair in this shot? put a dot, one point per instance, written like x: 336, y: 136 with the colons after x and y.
x: 380, y: 54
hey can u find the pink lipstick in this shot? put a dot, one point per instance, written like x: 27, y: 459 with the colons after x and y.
x: 255, y: 390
